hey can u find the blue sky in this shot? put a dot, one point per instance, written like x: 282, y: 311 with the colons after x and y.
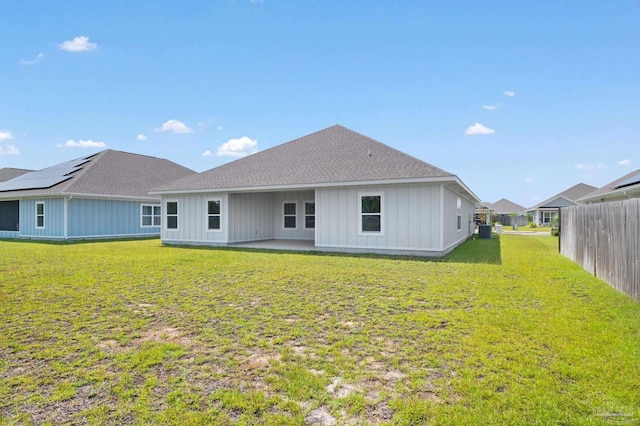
x: 521, y: 100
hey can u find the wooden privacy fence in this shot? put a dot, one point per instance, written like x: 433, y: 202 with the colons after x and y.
x: 603, y: 239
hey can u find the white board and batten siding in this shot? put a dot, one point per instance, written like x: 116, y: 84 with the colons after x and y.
x: 277, y: 206
x: 192, y: 219
x: 250, y: 216
x: 452, y: 235
x: 414, y: 218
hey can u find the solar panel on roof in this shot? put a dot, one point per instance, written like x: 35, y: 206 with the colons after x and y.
x: 45, y: 178
x: 631, y: 181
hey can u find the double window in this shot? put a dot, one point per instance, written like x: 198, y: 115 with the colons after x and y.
x: 213, y: 215
x: 371, y: 218
x: 40, y: 214
x: 290, y: 210
x: 172, y: 215
x: 150, y: 215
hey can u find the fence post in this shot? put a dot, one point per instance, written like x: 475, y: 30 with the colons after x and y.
x: 559, y: 229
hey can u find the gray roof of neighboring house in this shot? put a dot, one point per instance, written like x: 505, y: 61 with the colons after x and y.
x: 109, y: 173
x: 572, y: 194
x: 505, y: 206
x: 330, y: 156
x: 628, y: 182
x: 8, y: 173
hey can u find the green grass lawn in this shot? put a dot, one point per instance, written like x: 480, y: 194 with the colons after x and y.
x: 501, y: 331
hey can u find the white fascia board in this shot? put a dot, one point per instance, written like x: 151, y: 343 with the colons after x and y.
x: 466, y: 189
x: 614, y: 194
x: 291, y: 187
x: 80, y: 195
x: 113, y: 197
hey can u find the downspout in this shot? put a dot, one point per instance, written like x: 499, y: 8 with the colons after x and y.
x: 65, y: 217
x: 441, y: 217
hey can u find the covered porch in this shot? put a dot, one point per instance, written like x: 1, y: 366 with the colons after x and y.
x: 280, y: 244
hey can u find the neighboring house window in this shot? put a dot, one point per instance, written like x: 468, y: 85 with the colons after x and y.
x: 213, y: 215
x: 547, y: 217
x: 150, y: 215
x: 40, y: 214
x: 371, y: 213
x: 459, y: 213
x: 172, y: 215
x: 289, y: 215
x: 309, y: 215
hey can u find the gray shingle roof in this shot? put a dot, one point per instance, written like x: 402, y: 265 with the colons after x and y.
x: 332, y: 155
x: 113, y: 174
x: 8, y: 173
x: 506, y: 206
x: 572, y: 194
x: 613, y: 187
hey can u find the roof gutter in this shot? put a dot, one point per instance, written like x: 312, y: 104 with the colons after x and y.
x: 625, y: 192
x: 20, y: 195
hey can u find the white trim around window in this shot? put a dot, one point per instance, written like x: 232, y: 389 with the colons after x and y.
x: 371, y: 214
x: 459, y: 213
x: 150, y: 215
x: 214, y: 215
x: 289, y: 215
x: 172, y: 215
x: 40, y: 215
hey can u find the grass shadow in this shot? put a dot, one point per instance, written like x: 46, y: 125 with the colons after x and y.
x: 72, y: 242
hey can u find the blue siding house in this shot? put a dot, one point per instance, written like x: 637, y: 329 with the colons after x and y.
x: 104, y: 195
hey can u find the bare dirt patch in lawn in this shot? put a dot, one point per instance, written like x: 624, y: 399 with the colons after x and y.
x: 164, y: 335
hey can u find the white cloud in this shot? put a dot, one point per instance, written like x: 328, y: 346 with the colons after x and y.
x: 529, y: 180
x: 478, y: 129
x: 238, y: 147
x: 589, y: 167
x: 510, y: 93
x: 9, y: 150
x: 5, y: 135
x: 70, y: 143
x: 219, y: 128
x: 32, y: 61
x: 624, y: 162
x: 141, y: 137
x: 490, y: 107
x: 207, y: 153
x: 78, y: 44
x: 174, y: 126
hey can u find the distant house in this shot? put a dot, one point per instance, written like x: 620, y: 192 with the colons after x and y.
x: 544, y: 212
x: 509, y: 213
x: 8, y: 173
x: 628, y: 186
x: 104, y: 195
x: 333, y: 190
